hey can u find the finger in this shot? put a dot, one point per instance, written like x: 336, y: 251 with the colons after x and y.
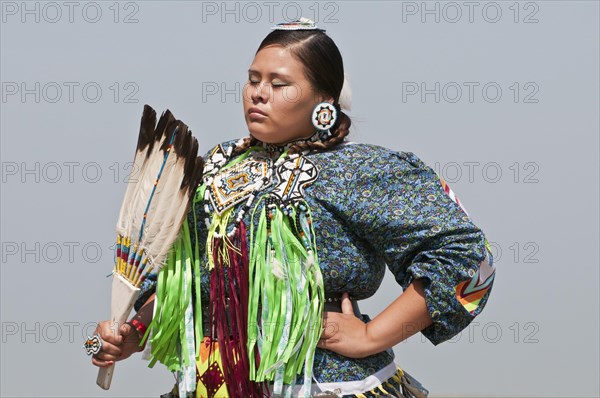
x: 322, y: 343
x: 126, y: 329
x: 110, y: 334
x: 347, y: 305
x: 324, y: 321
x: 329, y: 329
x: 110, y: 349
x: 101, y: 363
x: 117, y: 336
x: 102, y: 356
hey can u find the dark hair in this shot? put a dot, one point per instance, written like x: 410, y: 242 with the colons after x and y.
x: 324, y: 69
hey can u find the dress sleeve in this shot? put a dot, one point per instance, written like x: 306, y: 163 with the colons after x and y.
x: 147, y: 288
x: 411, y: 217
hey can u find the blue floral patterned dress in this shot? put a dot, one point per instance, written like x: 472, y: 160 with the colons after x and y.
x: 373, y: 207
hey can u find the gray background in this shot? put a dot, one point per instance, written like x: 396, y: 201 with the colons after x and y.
x: 526, y: 167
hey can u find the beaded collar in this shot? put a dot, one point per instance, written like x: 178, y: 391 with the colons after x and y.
x: 279, y: 155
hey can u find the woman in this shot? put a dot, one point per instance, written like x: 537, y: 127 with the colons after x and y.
x: 291, y: 227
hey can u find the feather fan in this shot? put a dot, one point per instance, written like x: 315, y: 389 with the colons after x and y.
x: 165, y: 173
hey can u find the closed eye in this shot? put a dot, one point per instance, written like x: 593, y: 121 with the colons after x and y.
x: 255, y: 82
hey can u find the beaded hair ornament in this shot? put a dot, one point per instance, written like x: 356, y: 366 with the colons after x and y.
x: 299, y: 24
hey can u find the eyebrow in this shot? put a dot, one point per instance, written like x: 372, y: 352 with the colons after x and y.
x: 273, y: 74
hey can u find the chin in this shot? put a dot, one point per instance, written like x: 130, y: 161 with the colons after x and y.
x: 259, y: 131
x: 266, y: 138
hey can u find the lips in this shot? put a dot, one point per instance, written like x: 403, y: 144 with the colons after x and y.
x: 256, y: 110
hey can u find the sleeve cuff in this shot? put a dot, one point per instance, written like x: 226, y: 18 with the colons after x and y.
x: 453, y: 308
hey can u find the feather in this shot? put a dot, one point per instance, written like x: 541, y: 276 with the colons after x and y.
x: 144, y: 140
x: 146, y: 179
x: 168, y: 183
x: 174, y: 211
x: 165, y: 173
x: 144, y: 148
x: 164, y: 176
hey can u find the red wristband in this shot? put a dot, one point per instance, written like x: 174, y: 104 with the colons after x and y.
x: 140, y: 327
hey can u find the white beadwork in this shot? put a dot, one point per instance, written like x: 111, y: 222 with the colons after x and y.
x: 214, y: 169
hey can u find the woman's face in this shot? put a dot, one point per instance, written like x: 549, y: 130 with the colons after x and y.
x: 278, y: 98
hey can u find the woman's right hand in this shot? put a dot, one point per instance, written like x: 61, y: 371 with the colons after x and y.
x: 116, y: 346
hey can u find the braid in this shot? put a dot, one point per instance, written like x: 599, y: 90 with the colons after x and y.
x: 339, y: 131
x: 247, y: 143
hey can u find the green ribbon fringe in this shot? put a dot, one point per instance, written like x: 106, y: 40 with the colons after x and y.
x: 172, y: 298
x: 285, y: 285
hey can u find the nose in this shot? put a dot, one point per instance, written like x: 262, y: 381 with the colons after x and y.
x: 258, y: 93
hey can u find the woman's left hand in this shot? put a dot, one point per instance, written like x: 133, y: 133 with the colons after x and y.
x: 344, y: 333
